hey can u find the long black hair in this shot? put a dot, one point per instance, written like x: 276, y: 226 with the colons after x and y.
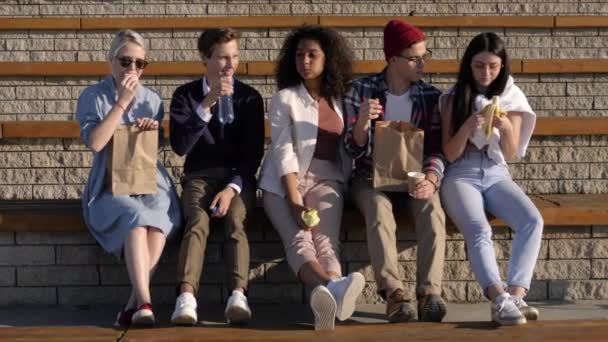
x: 465, y: 89
x: 337, y: 72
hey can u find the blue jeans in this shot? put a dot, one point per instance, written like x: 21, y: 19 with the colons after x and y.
x: 475, y: 182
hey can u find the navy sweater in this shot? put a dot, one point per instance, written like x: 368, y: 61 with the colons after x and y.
x: 238, y: 145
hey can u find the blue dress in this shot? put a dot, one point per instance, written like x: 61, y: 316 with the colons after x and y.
x: 110, y: 218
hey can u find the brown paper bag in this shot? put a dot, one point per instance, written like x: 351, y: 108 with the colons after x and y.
x: 132, y: 161
x: 398, y: 150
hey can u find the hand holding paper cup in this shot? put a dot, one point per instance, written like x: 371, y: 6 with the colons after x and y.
x: 413, y: 178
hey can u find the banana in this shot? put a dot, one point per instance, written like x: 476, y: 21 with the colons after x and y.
x: 489, y: 112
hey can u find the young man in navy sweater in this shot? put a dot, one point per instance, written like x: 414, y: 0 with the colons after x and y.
x: 223, y: 153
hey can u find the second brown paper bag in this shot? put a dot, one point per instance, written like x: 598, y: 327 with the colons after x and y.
x: 398, y: 148
x: 132, y: 161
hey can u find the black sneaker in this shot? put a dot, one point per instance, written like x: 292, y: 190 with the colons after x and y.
x: 431, y: 308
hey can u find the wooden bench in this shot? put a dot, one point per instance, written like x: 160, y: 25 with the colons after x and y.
x: 65, y: 215
x: 545, y: 126
x: 264, y: 68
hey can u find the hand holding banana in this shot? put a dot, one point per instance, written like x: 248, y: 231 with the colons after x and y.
x: 489, y: 113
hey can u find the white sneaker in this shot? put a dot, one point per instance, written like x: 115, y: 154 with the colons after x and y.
x: 505, y: 312
x: 185, y: 310
x: 237, y: 309
x: 531, y: 313
x: 345, y: 291
x: 323, y: 307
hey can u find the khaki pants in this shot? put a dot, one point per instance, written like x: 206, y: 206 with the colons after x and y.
x: 197, y: 195
x: 377, y: 208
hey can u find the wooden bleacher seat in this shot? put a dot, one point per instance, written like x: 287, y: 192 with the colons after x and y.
x: 66, y: 215
x: 545, y: 126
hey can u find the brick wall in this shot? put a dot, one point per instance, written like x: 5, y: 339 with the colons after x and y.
x: 69, y: 268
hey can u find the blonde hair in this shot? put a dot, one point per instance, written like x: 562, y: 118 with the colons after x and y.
x: 121, y: 39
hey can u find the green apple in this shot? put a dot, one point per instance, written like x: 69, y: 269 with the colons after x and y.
x: 311, y: 217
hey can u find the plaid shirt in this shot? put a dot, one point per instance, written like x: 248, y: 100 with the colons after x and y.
x: 425, y: 115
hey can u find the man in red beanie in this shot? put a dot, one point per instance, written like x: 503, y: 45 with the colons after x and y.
x: 398, y: 93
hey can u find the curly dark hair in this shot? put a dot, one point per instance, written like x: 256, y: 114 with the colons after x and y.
x: 337, y: 72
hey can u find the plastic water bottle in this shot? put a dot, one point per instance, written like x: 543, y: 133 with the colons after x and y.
x: 225, y: 109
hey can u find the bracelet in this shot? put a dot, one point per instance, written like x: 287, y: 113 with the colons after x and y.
x: 434, y: 184
x: 120, y: 106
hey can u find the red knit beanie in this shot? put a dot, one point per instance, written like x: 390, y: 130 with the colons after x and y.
x: 399, y: 35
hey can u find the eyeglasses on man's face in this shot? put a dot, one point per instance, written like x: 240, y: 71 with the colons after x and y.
x: 126, y: 62
x: 418, y: 59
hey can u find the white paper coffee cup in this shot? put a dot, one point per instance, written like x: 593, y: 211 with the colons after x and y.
x: 414, y: 178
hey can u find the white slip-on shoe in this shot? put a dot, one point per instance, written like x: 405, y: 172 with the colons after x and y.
x: 185, y: 310
x: 531, y: 313
x: 505, y: 312
x: 345, y: 291
x: 323, y: 307
x: 237, y: 309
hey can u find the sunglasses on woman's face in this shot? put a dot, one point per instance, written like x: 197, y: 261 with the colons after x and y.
x: 126, y: 62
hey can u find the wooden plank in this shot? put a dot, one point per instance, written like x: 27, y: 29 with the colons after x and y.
x: 370, y: 67
x: 69, y: 129
x: 63, y: 329
x: 194, y: 68
x: 571, y: 126
x: 49, y: 129
x: 573, y: 209
x: 565, y: 66
x: 102, y: 69
x: 295, y: 21
x: 260, y: 68
x: 66, y: 215
x: 39, y: 23
x: 580, y: 21
x: 42, y: 221
x: 440, y: 66
x: 289, y: 321
x: 54, y: 68
x: 191, y: 68
x: 360, y: 67
x: 40, y: 129
x: 442, y: 21
x: 197, y: 23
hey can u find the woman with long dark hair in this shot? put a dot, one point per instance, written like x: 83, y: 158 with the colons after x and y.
x: 486, y: 120
x: 307, y: 167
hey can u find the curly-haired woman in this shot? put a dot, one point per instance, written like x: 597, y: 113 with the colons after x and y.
x: 307, y: 166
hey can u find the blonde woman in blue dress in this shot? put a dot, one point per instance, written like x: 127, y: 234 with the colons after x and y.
x: 135, y: 226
